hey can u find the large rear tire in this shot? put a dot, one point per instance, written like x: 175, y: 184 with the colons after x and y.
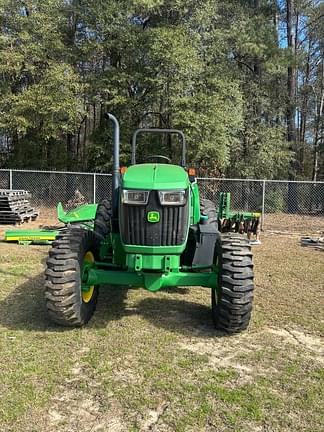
x: 208, y: 208
x: 232, y: 301
x: 68, y: 301
x: 102, y: 224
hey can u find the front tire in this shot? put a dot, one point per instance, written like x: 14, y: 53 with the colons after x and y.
x: 68, y: 301
x: 232, y: 301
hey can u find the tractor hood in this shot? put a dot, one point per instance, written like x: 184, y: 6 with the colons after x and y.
x: 155, y: 177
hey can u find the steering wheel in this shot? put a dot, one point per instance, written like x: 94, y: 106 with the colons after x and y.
x: 159, y: 156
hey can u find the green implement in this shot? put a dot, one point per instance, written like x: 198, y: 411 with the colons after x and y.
x: 27, y: 237
x: 229, y: 220
x: 84, y: 213
x: 81, y: 216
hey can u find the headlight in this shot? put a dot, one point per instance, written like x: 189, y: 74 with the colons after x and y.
x: 172, y: 197
x: 138, y: 197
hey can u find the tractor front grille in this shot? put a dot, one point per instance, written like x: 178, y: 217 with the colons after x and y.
x: 171, y: 230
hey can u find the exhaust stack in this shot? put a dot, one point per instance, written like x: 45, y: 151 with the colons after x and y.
x: 116, y: 167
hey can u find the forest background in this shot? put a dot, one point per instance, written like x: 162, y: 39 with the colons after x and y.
x: 244, y: 79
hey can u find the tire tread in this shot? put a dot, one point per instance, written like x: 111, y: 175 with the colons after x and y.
x: 233, y: 305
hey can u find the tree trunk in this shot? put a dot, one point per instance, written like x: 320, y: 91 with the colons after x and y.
x: 70, y: 153
x: 318, y: 127
x: 291, y: 81
x: 304, y: 109
x: 291, y: 104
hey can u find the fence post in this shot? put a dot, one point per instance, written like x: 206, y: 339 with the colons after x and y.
x: 10, y: 179
x: 263, y: 204
x: 94, y: 188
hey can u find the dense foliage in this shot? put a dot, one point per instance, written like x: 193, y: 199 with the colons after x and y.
x: 244, y: 79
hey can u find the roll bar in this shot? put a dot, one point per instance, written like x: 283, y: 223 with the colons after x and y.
x: 159, y: 131
x: 116, y: 154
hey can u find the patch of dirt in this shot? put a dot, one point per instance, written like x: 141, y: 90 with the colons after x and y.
x: 152, y: 418
x: 294, y: 223
x: 74, y: 411
x: 224, y: 353
x: 235, y: 352
x: 78, y: 409
x: 312, y: 344
x: 79, y: 406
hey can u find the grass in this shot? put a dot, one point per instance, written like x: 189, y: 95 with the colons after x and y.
x: 154, y: 362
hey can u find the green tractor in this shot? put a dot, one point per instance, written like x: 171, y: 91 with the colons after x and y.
x: 154, y: 233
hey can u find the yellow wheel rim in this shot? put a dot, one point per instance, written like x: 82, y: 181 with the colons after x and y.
x: 87, y: 295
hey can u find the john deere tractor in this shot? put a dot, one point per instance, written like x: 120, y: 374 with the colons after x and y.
x: 154, y: 233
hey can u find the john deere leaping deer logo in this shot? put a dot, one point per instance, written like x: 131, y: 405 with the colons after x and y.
x: 153, y: 216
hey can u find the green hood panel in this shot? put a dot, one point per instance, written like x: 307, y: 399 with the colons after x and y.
x: 155, y: 177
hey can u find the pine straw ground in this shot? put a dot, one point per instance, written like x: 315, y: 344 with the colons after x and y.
x: 153, y: 362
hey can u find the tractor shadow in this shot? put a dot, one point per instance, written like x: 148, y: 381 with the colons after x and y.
x: 179, y: 316
x: 24, y: 309
x: 161, y: 310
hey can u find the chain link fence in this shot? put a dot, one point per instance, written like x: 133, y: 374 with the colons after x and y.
x: 246, y: 195
x: 4, y: 179
x: 285, y: 205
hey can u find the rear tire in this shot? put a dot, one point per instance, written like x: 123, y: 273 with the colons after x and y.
x: 232, y: 301
x: 102, y: 224
x: 208, y: 208
x: 66, y: 302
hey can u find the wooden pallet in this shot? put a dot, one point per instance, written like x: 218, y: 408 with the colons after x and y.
x: 14, y: 219
x: 13, y: 194
x: 15, y: 207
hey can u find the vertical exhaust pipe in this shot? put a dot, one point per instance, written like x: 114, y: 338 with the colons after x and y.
x: 116, y: 167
